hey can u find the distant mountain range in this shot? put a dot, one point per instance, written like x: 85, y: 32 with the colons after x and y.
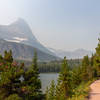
x: 79, y: 53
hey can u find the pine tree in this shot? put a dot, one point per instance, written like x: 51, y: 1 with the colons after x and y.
x: 85, y: 61
x: 9, y: 77
x: 92, y: 62
x: 76, y: 77
x: 50, y: 92
x: 97, y: 59
x: 32, y: 82
x: 47, y: 94
x: 63, y: 87
x: 35, y: 64
x: 85, y: 64
x: 87, y: 69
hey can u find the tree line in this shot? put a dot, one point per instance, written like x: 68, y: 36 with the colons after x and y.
x: 52, y: 66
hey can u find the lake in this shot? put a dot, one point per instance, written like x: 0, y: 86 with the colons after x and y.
x: 46, y: 79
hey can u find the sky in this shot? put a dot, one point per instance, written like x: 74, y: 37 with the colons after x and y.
x: 59, y: 24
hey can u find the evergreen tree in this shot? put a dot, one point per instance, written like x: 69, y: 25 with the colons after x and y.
x: 76, y: 77
x: 9, y: 77
x: 85, y: 65
x: 85, y: 61
x: 63, y: 86
x: 32, y: 82
x: 87, y: 69
x: 92, y: 60
x: 35, y: 64
x: 50, y: 92
x: 97, y: 59
x: 47, y: 94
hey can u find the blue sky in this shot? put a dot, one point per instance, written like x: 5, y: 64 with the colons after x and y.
x: 59, y: 24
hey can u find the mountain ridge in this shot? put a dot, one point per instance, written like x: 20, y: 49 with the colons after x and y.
x: 75, y: 54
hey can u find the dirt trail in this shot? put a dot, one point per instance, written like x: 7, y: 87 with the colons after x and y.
x: 95, y: 90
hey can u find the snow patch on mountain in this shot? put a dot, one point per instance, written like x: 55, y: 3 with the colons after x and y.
x: 17, y: 39
x: 20, y: 39
x: 12, y: 40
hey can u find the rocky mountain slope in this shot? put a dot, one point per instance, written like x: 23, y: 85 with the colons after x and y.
x: 24, y: 52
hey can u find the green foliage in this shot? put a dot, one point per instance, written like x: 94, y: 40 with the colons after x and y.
x: 50, y: 92
x: 63, y: 81
x: 87, y: 69
x: 61, y: 90
x: 97, y: 59
x: 32, y: 83
x: 73, y: 84
x: 8, y: 56
x: 76, y: 77
x: 52, y: 66
x: 14, y: 97
x: 81, y: 92
x: 9, y: 76
x: 16, y: 83
x: 85, y: 61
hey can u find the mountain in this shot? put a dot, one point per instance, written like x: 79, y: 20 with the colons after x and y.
x: 24, y: 52
x: 79, y: 53
x: 19, y: 37
x: 20, y: 32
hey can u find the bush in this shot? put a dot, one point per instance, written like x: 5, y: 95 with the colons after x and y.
x: 82, y: 91
x: 14, y: 97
